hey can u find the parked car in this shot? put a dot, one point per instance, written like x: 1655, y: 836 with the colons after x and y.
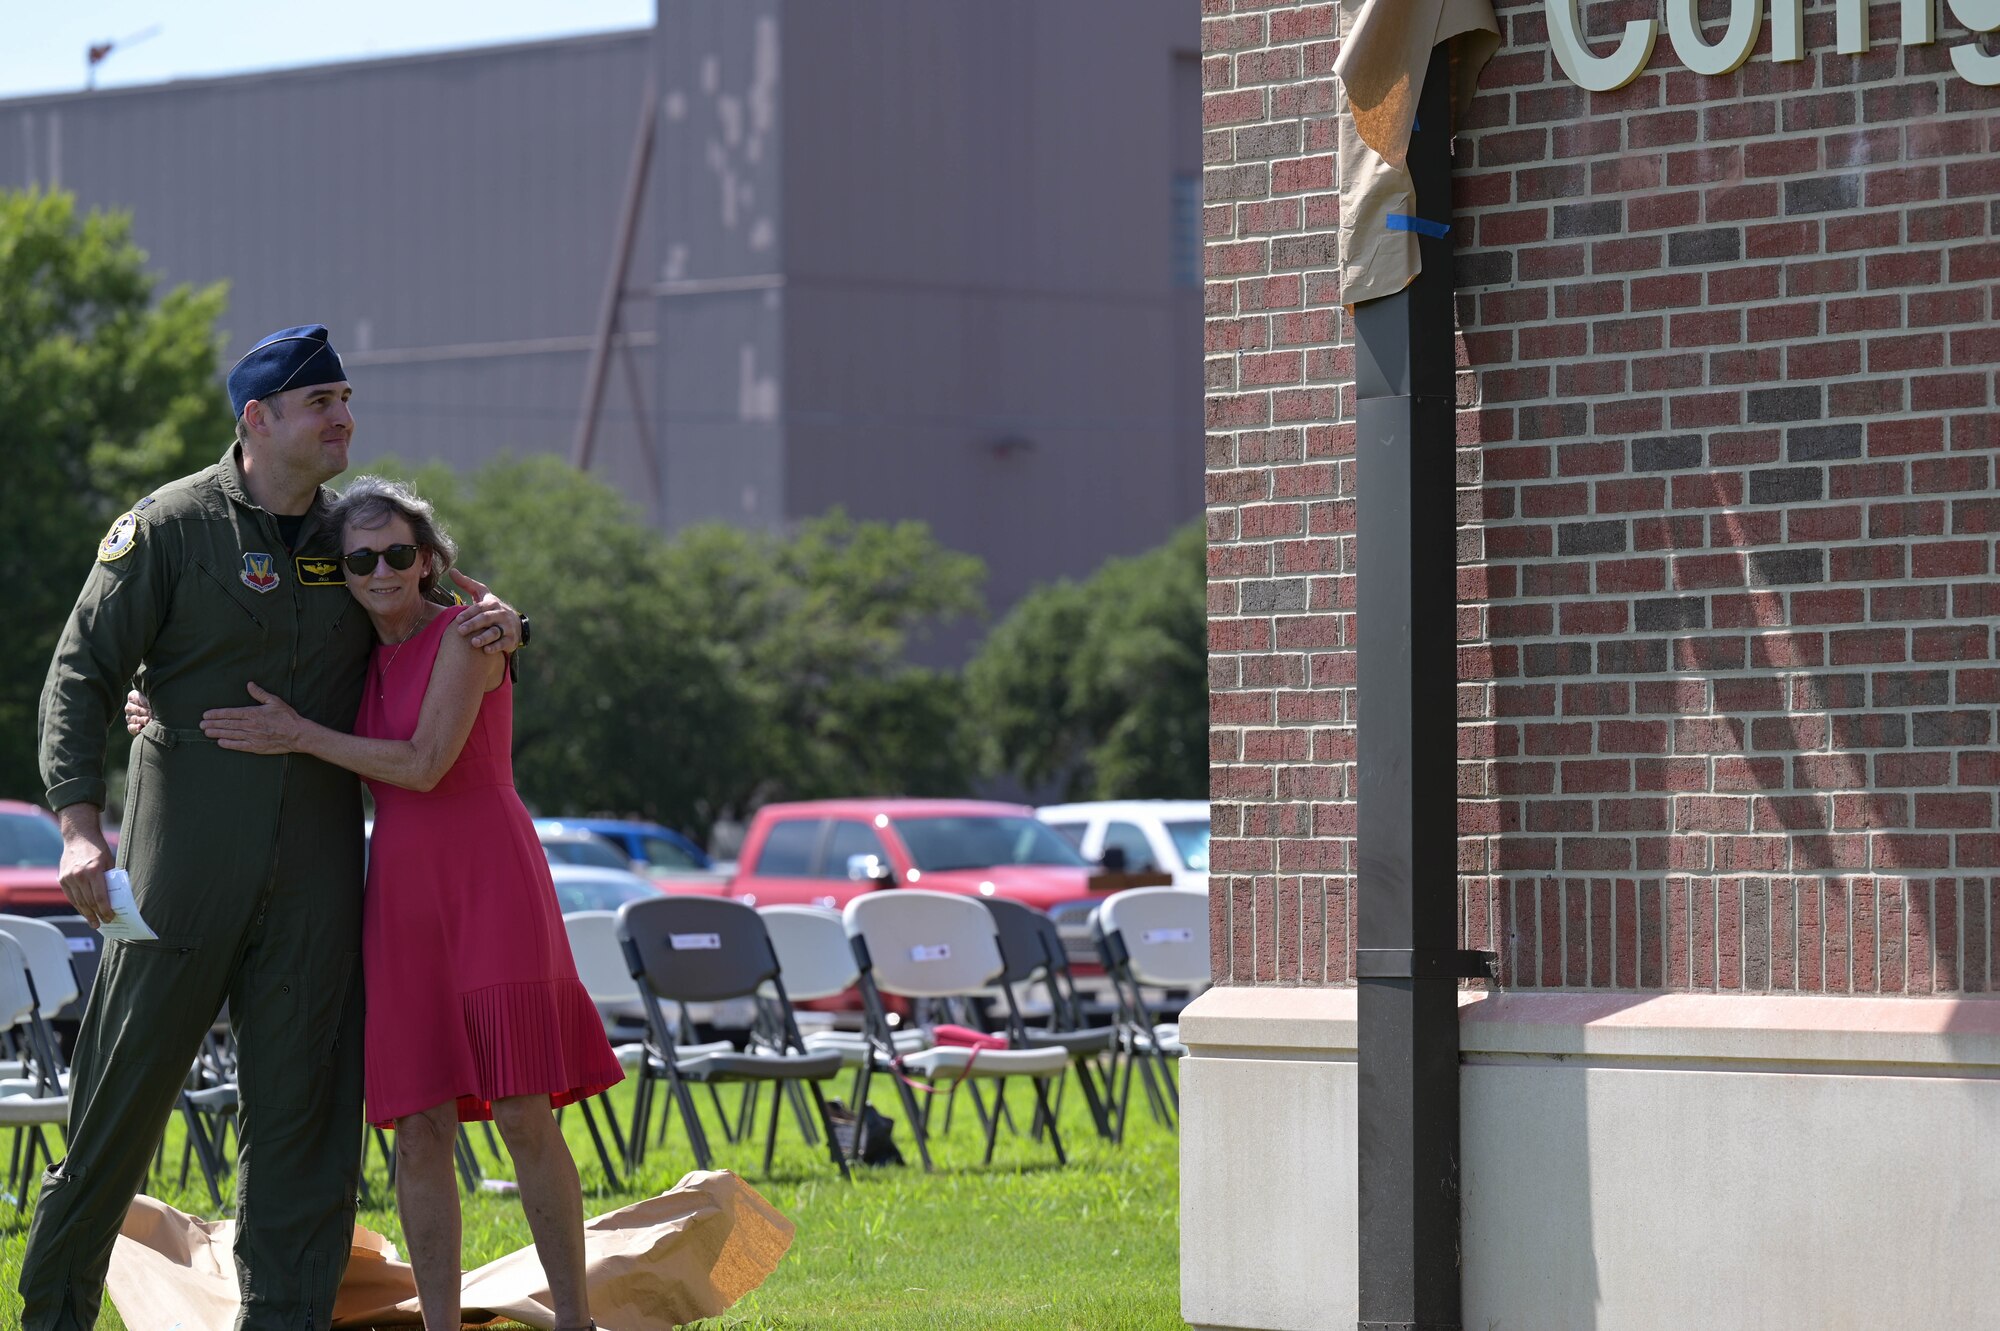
x: 657, y: 852
x: 827, y: 852
x: 30, y: 860
x: 589, y: 887
x: 564, y: 844
x: 1139, y: 836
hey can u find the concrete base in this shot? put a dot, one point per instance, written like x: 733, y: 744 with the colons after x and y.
x: 1631, y: 1162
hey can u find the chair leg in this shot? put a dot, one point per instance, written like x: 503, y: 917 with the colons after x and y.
x: 1086, y: 1081
x: 832, y: 1142
x: 797, y: 1099
x: 992, y: 1132
x: 732, y: 1136
x: 468, y: 1168
x: 611, y: 1122
x: 597, y: 1138
x: 1055, y: 1135
x: 771, y: 1126
x: 917, y: 1125
x: 635, y: 1141
x: 697, y: 1135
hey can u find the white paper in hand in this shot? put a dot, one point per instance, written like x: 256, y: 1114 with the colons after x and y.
x: 127, y: 925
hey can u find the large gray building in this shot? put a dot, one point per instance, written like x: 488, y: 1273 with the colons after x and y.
x: 931, y: 259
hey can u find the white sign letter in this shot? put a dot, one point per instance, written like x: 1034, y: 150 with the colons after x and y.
x: 1788, y: 30
x: 1850, y: 27
x: 1919, y: 22
x: 1684, y: 24
x: 1973, y: 64
x: 1594, y: 72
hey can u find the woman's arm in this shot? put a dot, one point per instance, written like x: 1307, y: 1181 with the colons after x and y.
x: 461, y: 677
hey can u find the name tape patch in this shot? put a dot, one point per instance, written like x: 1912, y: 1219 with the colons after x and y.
x: 83, y: 945
x: 1167, y: 936
x: 695, y: 942
x: 930, y: 952
x: 317, y: 571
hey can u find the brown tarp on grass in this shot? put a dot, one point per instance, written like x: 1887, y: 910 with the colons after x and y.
x: 1385, y: 49
x: 689, y: 1253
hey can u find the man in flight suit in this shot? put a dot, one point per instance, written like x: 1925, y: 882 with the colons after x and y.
x: 247, y: 866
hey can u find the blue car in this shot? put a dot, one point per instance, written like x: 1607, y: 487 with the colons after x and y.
x: 654, y: 850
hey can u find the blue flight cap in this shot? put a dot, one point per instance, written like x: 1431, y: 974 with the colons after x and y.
x: 289, y: 358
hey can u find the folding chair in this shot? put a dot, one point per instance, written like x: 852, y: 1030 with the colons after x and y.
x: 707, y: 950
x: 25, y: 1111
x: 936, y: 945
x: 52, y: 983
x: 1031, y: 947
x: 1156, y: 937
x: 600, y: 965
x: 811, y: 942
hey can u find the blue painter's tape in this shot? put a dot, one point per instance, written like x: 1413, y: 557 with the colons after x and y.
x: 1423, y: 226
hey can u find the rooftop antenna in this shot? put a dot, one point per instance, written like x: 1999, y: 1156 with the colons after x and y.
x: 97, y: 51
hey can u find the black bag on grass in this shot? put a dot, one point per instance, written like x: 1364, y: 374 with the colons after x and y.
x: 876, y: 1130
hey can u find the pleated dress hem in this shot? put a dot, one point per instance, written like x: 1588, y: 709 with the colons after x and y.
x: 521, y: 1039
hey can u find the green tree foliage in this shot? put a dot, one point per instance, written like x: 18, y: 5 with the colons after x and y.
x: 105, y: 392
x: 1100, y: 688
x: 817, y: 626
x: 693, y: 678
x: 618, y: 708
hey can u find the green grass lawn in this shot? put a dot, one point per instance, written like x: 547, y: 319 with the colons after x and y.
x: 1022, y: 1244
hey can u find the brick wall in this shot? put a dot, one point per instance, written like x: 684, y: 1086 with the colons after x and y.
x: 1727, y: 502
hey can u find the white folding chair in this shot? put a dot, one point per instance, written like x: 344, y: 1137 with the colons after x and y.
x: 936, y: 945
x: 812, y: 946
x: 53, y: 985
x: 1155, y: 937
x: 24, y: 1111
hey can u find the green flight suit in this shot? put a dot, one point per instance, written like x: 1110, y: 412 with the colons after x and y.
x: 248, y: 866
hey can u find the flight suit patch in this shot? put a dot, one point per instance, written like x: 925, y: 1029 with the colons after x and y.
x: 118, y: 542
x: 318, y: 571
x: 259, y: 571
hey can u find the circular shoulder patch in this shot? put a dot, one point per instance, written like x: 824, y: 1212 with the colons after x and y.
x: 118, y: 542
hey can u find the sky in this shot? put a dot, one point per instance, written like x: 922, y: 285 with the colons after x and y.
x: 43, y: 42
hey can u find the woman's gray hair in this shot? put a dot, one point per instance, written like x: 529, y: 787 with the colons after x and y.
x: 370, y: 501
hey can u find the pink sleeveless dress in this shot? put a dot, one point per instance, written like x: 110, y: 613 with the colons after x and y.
x: 472, y: 994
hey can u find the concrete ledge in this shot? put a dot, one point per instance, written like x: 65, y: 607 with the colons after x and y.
x: 1962, y: 1034
x: 1630, y: 1162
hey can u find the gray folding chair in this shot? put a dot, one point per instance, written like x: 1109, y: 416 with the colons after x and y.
x: 1031, y: 948
x: 937, y: 945
x: 707, y: 950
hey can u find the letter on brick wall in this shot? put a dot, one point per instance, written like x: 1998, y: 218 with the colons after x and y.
x: 1595, y: 72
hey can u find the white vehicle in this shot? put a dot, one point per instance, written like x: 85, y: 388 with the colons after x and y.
x: 1151, y: 836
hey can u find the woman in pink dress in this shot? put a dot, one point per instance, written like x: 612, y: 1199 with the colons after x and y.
x: 474, y: 1007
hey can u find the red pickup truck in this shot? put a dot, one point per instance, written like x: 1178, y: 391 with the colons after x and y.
x: 827, y: 852
x: 30, y: 855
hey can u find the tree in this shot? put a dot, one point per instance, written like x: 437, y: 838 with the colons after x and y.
x: 619, y: 708
x: 105, y: 392
x: 1099, y: 689
x: 817, y: 625
x: 694, y: 678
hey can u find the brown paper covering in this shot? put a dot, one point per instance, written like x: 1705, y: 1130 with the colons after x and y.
x: 689, y: 1253
x: 1385, y: 49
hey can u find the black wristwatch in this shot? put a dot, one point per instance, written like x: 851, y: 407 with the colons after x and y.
x: 524, y: 630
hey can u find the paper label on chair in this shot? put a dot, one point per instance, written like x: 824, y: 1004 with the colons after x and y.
x: 934, y: 952
x: 695, y: 942
x: 1167, y: 936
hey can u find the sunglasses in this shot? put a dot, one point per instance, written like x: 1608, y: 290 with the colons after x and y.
x: 360, y: 563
